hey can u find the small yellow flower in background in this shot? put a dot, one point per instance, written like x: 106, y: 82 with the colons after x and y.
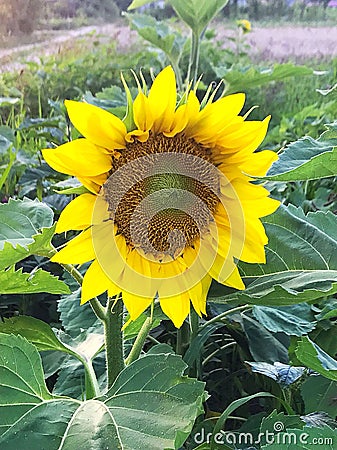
x: 170, y: 203
x: 245, y: 25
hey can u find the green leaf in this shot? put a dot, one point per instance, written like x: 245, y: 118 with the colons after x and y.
x: 21, y: 379
x: 297, y: 242
x: 264, y: 345
x: 159, y: 34
x: 35, y: 331
x: 18, y: 282
x: 77, y: 319
x: 319, y: 394
x: 197, y: 14
x: 283, y: 289
x: 311, y: 355
x: 242, y: 80
x: 307, y: 158
x: 287, y: 320
x: 152, y: 405
x: 25, y: 229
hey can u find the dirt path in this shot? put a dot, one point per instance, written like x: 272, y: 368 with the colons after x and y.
x: 15, y: 58
x: 276, y: 44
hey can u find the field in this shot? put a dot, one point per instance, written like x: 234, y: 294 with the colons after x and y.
x: 168, y: 271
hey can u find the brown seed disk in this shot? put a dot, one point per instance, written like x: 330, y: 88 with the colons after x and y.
x: 162, y: 204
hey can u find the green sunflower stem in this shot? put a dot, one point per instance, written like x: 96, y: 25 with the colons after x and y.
x: 139, y: 342
x: 193, y: 67
x: 91, y: 384
x: 222, y: 316
x: 114, y: 342
x: 183, y: 339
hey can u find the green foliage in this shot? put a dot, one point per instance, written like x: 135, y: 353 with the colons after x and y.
x: 25, y: 229
x: 312, y: 356
x: 158, y: 34
x: 251, y: 77
x: 319, y: 394
x: 17, y: 282
x: 172, y: 399
x: 197, y: 14
x: 307, y: 158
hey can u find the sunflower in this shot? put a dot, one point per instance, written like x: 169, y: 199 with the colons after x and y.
x: 169, y: 202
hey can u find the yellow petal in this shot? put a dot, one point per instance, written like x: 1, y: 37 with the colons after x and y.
x: 137, y: 278
x: 77, y: 214
x: 78, y: 251
x: 214, y: 116
x: 79, y: 158
x: 142, y: 113
x: 197, y: 298
x: 259, y: 163
x: 110, y: 251
x: 162, y: 100
x: 141, y: 136
x: 176, y: 308
x: 135, y: 304
x: 95, y: 282
x: 192, y: 110
x: 234, y: 280
x: 97, y: 125
x: 93, y: 184
x: 244, y: 140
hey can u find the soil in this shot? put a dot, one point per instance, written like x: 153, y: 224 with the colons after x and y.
x: 272, y: 44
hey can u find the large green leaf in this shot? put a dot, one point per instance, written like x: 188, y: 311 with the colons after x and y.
x: 159, y: 34
x: 297, y: 242
x: 311, y: 355
x: 291, y: 320
x: 35, y: 331
x: 307, y: 158
x: 25, y: 229
x: 18, y: 282
x: 265, y: 346
x: 197, y: 14
x: 241, y: 80
x: 78, y: 320
x: 282, y: 289
x: 319, y: 394
x: 151, y: 405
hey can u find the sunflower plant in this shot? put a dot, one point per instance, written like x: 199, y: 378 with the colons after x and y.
x: 170, y: 221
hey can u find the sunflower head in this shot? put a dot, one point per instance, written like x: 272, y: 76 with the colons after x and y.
x: 245, y: 25
x: 170, y: 204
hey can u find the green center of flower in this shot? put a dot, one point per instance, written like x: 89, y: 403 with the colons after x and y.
x: 162, y: 193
